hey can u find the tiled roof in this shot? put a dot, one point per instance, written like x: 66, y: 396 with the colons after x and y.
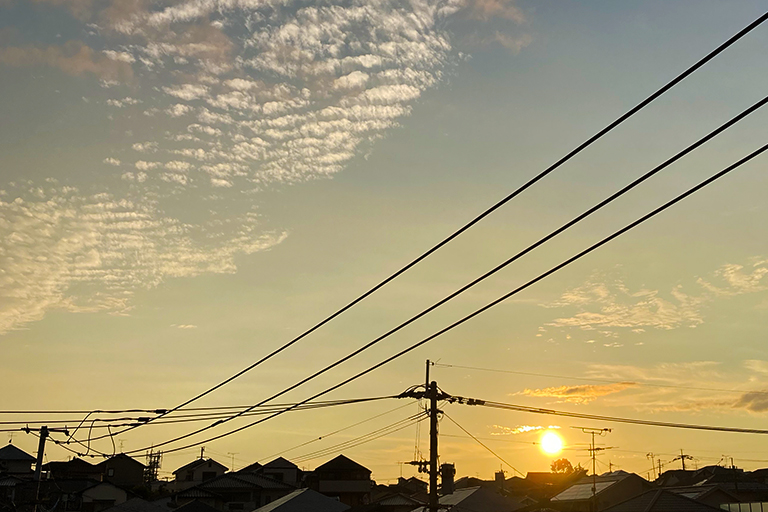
x: 264, y: 481
x: 196, y: 506
x: 137, y: 505
x: 660, y: 500
x: 304, y: 500
x: 196, y: 492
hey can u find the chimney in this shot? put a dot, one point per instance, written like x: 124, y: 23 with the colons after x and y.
x: 499, y: 478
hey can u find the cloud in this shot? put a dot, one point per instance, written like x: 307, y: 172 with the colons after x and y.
x: 580, y: 394
x: 73, y: 58
x: 112, y: 161
x: 606, y: 304
x: 145, y: 147
x: 501, y: 430
x: 184, y: 326
x: 691, y: 386
x: 513, y: 43
x: 61, y: 249
x: 485, y: 10
x: 248, y: 94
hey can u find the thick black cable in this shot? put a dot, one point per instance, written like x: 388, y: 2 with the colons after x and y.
x: 590, y: 379
x: 506, y: 263
x: 615, y: 419
x: 679, y: 78
x: 187, y: 418
x: 504, y: 297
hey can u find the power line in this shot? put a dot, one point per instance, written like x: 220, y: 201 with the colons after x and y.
x: 478, y: 441
x: 295, y: 407
x: 371, y: 436
x: 589, y: 379
x: 679, y: 78
x: 507, y: 262
x: 490, y: 305
x: 335, y: 432
x: 615, y: 419
x: 186, y: 418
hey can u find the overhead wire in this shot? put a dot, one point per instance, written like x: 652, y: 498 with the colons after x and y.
x: 669, y: 85
x: 615, y: 419
x: 371, y: 436
x: 337, y: 431
x: 186, y: 418
x: 607, y: 381
x: 504, y: 297
x: 691, y: 147
x: 478, y: 441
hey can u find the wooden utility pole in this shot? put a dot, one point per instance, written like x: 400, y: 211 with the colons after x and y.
x: 434, y: 395
x: 43, y: 434
x: 434, y: 501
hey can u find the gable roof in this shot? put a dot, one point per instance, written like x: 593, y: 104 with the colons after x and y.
x: 197, y: 463
x: 250, y: 468
x: 303, y: 500
x: 74, y: 465
x: 342, y: 463
x: 660, y: 500
x: 280, y: 463
x: 118, y: 458
x: 11, y: 453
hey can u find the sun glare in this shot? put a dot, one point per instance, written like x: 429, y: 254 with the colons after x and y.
x: 551, y: 443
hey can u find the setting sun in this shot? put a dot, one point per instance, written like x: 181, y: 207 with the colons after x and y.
x: 551, y: 443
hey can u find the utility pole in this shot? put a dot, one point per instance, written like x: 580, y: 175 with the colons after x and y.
x: 434, y: 502
x: 43, y: 434
x: 434, y: 395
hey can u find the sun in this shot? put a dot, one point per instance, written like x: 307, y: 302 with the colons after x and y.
x: 551, y: 443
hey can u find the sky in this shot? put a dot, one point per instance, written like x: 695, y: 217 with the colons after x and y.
x: 186, y: 185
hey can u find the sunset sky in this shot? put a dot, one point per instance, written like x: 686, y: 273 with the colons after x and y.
x: 186, y: 185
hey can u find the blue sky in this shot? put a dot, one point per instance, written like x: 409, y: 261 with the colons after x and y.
x: 188, y: 185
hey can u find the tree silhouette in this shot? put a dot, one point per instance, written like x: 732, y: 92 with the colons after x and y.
x: 563, y: 466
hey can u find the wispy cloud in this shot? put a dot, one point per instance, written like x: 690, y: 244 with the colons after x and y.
x: 690, y: 386
x: 60, y: 249
x: 501, y: 430
x: 74, y: 58
x: 248, y: 94
x: 581, y: 394
x: 604, y: 304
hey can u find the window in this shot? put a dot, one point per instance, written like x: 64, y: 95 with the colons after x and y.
x: 111, y: 472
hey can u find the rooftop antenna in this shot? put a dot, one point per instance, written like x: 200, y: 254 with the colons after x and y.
x: 232, y: 459
x: 682, y: 458
x: 593, y: 453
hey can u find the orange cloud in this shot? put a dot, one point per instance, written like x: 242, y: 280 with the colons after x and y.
x: 578, y: 394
